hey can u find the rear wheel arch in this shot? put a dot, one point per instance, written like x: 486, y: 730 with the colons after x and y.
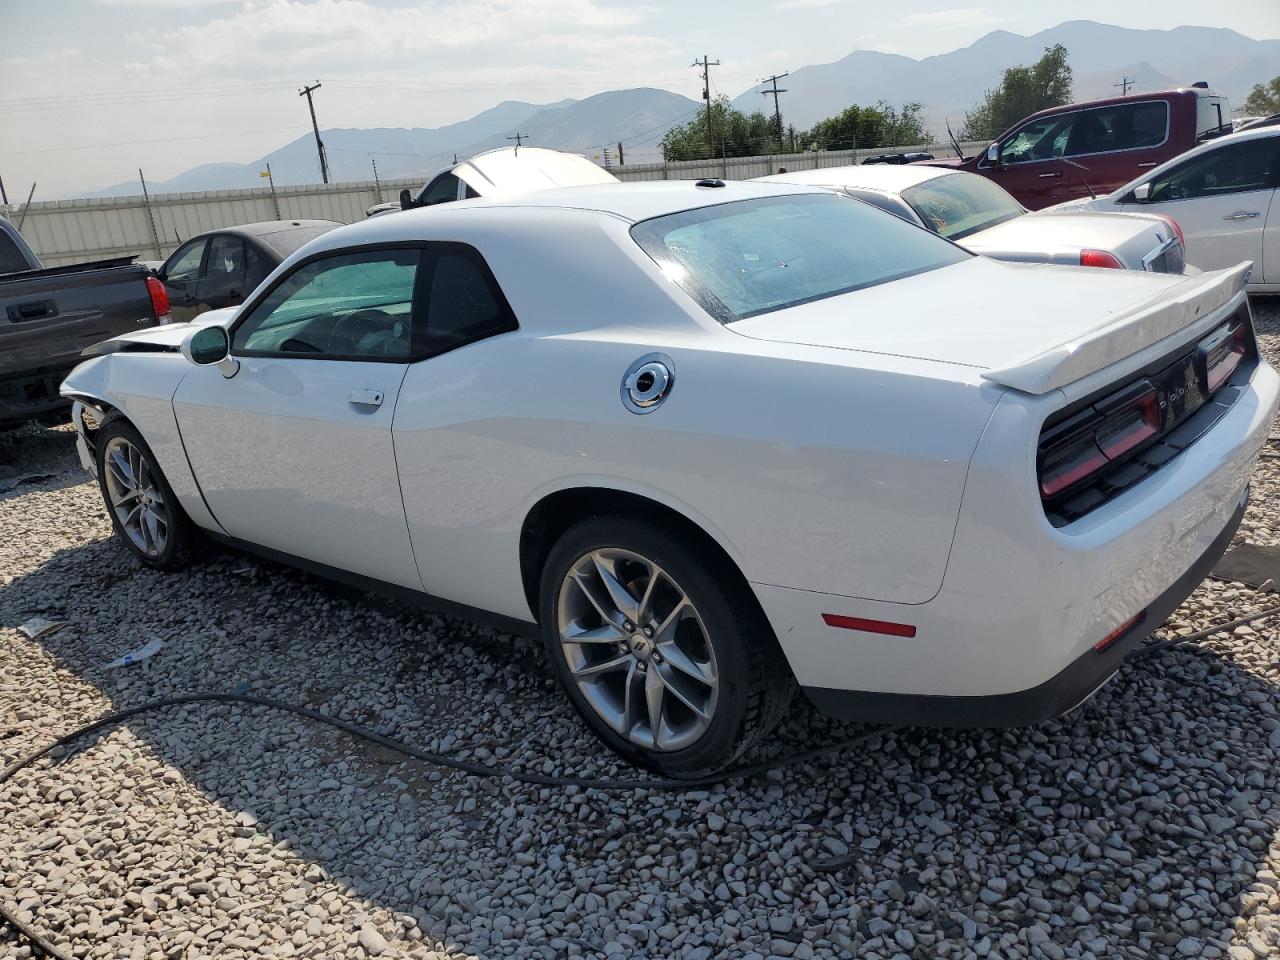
x: 555, y: 513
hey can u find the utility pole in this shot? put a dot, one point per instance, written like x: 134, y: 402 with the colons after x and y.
x: 324, y: 161
x: 377, y: 187
x: 519, y: 138
x: 777, y: 113
x: 706, y: 65
x: 1124, y: 84
x: 620, y: 161
x: 146, y: 202
x: 608, y: 160
x: 4, y: 197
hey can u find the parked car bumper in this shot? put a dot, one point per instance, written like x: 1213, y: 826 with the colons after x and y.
x: 1009, y: 638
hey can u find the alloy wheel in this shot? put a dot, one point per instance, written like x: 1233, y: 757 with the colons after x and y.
x: 637, y: 649
x: 136, y: 497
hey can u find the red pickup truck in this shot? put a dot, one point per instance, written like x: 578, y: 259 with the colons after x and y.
x: 1080, y: 149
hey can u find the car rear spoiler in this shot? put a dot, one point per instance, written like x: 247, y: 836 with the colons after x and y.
x: 1127, y: 333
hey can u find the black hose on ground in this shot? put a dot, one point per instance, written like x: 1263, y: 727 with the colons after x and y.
x: 438, y: 759
x: 489, y: 771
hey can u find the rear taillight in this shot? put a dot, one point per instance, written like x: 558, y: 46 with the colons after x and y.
x: 1099, y: 436
x: 1175, y: 227
x: 159, y: 299
x: 1100, y: 258
x: 1222, y: 353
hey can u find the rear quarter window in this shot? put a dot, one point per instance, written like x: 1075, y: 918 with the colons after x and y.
x: 749, y: 257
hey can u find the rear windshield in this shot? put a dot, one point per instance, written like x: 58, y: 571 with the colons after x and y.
x: 750, y: 257
x: 961, y: 203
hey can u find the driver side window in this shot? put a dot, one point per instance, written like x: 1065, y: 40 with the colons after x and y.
x: 185, y: 265
x: 352, y: 306
x: 1039, y: 140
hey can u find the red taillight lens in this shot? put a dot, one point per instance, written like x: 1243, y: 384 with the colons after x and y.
x: 1137, y: 421
x: 1122, y: 424
x: 159, y: 299
x: 1175, y: 227
x: 1070, y: 462
x: 1100, y: 258
x: 1222, y: 354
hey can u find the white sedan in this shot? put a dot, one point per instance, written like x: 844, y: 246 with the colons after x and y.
x: 984, y: 218
x: 1223, y: 194
x: 713, y: 441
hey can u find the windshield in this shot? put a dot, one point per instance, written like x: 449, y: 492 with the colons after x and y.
x: 750, y: 257
x: 961, y: 203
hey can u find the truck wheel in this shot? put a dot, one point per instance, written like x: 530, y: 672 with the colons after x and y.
x: 143, y: 509
x: 658, y: 647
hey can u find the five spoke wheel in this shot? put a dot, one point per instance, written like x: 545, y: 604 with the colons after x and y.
x: 135, y: 496
x: 637, y: 649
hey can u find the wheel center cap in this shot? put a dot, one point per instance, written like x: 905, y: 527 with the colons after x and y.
x: 641, y: 646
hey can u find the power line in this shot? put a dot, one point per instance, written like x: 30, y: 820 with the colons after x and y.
x: 324, y: 161
x: 706, y: 65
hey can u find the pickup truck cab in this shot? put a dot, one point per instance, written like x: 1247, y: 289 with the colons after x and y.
x: 1087, y: 149
x: 48, y: 316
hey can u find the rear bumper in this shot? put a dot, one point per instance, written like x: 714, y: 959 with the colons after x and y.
x: 30, y: 394
x: 1052, y: 698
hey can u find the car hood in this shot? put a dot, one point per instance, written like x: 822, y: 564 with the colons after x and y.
x: 1047, y: 237
x: 1034, y: 327
x: 166, y: 337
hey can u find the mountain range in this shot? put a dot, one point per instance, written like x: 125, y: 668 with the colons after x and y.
x: 947, y: 84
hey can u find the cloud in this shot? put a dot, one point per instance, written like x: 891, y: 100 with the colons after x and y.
x: 955, y: 18
x: 808, y: 4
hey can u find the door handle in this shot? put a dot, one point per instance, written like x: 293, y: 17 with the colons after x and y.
x: 1149, y: 163
x: 1046, y: 176
x: 1243, y: 215
x: 366, y: 398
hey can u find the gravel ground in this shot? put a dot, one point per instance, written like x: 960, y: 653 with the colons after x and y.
x: 1144, y: 824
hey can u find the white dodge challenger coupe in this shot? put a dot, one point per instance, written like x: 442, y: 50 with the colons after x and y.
x: 714, y: 441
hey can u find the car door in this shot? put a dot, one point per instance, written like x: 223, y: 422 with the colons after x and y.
x: 223, y: 281
x: 181, y: 277
x: 293, y: 452
x: 1112, y: 145
x: 1222, y: 198
x: 1030, y: 165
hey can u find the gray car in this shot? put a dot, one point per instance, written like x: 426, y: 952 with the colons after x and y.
x: 983, y: 218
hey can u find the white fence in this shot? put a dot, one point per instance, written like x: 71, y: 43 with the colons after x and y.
x: 73, y: 231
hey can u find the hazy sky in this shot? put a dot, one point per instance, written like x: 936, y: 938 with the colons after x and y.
x: 92, y: 89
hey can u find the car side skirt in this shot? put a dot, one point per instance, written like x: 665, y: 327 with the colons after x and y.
x: 1057, y: 695
x: 382, y: 588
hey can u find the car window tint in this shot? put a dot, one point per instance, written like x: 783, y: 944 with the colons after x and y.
x: 960, y: 204
x: 1039, y: 140
x: 1126, y: 126
x: 750, y: 257
x: 256, y: 265
x: 442, y: 189
x: 226, y: 259
x: 11, y: 258
x: 1233, y: 168
x: 464, y: 304
x: 186, y: 265
x: 353, y: 305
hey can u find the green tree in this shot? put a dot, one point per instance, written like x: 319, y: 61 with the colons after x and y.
x: 878, y: 126
x: 1264, y: 99
x: 1023, y: 90
x: 736, y: 134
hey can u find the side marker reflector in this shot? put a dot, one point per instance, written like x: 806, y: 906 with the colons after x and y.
x: 1117, y: 633
x: 869, y: 626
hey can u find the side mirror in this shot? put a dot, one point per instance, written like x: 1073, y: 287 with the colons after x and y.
x: 1142, y: 192
x: 993, y: 153
x: 406, y: 200
x: 208, y: 346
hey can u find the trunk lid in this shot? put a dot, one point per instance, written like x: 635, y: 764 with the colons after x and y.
x: 1048, y: 237
x: 1028, y: 326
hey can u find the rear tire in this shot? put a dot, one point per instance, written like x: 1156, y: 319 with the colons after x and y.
x: 650, y: 632
x: 144, y: 511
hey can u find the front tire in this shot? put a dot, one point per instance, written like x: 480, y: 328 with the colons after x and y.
x: 144, y: 511
x: 660, y: 646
